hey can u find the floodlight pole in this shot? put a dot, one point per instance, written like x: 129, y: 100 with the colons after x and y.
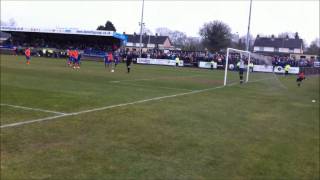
x: 141, y: 24
x: 248, y: 32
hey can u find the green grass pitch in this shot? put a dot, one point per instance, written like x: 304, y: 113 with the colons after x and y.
x: 171, y: 123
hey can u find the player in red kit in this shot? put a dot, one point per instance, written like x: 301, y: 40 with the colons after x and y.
x: 27, y: 53
x: 300, y: 78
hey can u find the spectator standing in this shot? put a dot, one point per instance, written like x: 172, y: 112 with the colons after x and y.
x: 251, y: 66
x: 177, y: 61
x: 212, y: 64
x: 286, y: 69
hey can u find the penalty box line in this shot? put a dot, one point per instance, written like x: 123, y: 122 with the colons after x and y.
x: 120, y: 105
x: 33, y: 109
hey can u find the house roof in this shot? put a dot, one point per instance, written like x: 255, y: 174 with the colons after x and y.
x: 278, y: 42
x: 145, y: 39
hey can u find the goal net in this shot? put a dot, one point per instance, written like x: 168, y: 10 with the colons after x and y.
x: 243, y: 66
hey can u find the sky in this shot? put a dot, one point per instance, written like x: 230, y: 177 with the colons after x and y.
x: 268, y: 17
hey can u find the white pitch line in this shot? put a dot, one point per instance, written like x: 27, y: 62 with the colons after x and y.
x: 33, y: 121
x: 34, y: 109
x: 119, y: 105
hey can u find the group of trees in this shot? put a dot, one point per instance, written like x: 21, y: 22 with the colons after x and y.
x: 314, y: 47
x: 215, y: 36
x: 180, y: 39
x: 107, y: 27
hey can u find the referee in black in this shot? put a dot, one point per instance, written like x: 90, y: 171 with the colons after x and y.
x: 129, y: 61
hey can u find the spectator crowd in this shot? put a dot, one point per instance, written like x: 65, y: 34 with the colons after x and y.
x: 58, y: 48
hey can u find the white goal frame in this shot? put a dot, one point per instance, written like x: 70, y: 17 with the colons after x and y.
x: 227, y: 64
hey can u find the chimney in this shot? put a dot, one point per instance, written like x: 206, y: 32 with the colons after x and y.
x: 156, y: 34
x: 124, y: 33
x: 296, y: 36
x: 258, y: 36
x: 134, y: 34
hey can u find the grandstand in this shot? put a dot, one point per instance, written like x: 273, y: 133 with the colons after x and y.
x: 93, y: 42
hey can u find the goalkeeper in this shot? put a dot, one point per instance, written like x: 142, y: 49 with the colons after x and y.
x: 241, y: 69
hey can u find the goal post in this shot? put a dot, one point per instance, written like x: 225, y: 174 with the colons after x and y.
x: 243, y: 65
x: 241, y: 52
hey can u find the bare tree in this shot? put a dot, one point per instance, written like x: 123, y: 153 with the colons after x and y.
x: 163, y: 31
x: 147, y: 31
x: 193, y: 44
x: 286, y: 35
x: 314, y: 47
x: 178, y: 38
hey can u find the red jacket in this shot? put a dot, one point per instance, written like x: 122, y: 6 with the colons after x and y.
x: 301, y: 75
x: 27, y: 52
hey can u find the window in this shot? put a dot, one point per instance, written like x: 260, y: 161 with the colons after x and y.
x: 291, y: 50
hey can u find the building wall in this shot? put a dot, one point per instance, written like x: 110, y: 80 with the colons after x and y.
x: 303, y: 56
x: 284, y: 50
x: 268, y: 49
x: 167, y: 43
x: 151, y: 45
x: 257, y: 48
x: 298, y: 51
x: 129, y: 44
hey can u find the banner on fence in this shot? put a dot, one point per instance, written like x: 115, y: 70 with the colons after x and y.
x: 203, y: 64
x: 292, y: 70
x: 166, y: 62
x: 262, y: 68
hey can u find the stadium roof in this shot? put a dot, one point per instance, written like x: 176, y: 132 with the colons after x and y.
x: 64, y: 31
x: 4, y: 35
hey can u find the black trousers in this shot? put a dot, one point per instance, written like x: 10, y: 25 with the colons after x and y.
x: 241, y: 74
